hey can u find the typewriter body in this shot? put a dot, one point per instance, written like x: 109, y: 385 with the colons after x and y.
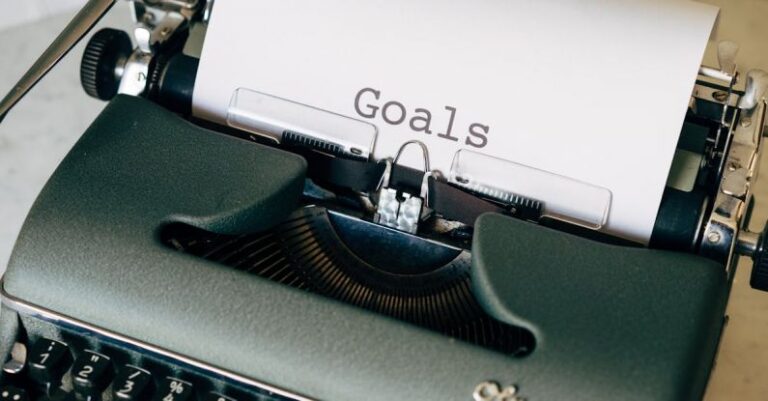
x: 171, y: 259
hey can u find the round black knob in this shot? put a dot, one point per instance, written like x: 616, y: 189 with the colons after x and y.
x: 105, y: 52
x: 759, y: 278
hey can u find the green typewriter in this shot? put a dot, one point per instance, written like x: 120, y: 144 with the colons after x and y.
x: 171, y: 258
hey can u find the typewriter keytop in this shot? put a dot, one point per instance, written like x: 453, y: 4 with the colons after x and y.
x: 132, y: 384
x: 174, y: 390
x: 52, y: 370
x: 91, y: 374
x: 59, y: 395
x: 213, y: 396
x: 15, y: 365
x: 47, y: 362
x: 9, y: 393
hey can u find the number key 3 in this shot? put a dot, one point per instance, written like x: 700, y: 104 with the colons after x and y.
x: 132, y: 384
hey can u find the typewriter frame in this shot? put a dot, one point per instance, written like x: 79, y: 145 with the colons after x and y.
x: 500, y: 294
x: 62, y: 322
x: 124, y: 292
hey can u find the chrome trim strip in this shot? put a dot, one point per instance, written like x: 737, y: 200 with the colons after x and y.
x: 46, y: 314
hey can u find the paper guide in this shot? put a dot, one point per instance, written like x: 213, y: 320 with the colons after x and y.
x: 593, y: 92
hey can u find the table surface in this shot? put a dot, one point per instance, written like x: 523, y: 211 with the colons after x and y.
x: 44, y: 126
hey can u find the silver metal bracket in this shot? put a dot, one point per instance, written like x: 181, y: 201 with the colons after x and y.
x: 401, y: 210
x: 723, y: 230
x: 725, y: 233
x: 492, y: 391
x: 726, y: 59
x: 186, y: 7
x: 156, y: 23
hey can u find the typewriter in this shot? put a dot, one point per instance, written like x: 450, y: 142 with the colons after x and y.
x: 173, y: 259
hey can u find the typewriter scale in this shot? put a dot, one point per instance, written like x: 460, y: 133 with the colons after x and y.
x: 208, y: 263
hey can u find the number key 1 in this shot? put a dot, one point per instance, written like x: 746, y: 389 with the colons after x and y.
x: 47, y: 361
x: 132, y: 384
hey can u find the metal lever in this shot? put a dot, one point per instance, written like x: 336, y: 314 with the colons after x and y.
x: 726, y: 56
x: 85, y: 19
x: 402, y: 212
x: 726, y: 59
x: 757, y: 83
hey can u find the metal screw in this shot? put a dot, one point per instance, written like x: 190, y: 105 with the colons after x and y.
x: 509, y: 394
x: 713, y: 237
x: 492, y: 391
x: 486, y: 391
x: 720, y: 96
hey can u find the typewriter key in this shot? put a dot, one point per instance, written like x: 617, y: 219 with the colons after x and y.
x: 174, y: 390
x: 47, y: 362
x: 61, y: 395
x: 132, y: 384
x: 9, y: 393
x: 91, y: 374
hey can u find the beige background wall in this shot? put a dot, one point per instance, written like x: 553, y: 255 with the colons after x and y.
x: 35, y: 137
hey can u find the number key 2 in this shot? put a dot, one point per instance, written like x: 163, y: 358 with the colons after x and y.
x: 91, y: 374
x: 132, y: 384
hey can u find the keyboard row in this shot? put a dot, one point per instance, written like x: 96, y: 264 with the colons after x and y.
x: 48, y: 370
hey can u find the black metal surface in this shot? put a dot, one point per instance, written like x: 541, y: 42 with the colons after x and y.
x: 677, y: 226
x: 104, y: 51
x: 759, y: 277
x: 172, y: 82
x: 426, y: 283
x: 67, y: 362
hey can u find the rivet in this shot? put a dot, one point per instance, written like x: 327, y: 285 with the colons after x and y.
x: 486, y: 391
x: 720, y: 96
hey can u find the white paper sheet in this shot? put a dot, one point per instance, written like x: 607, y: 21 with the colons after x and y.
x: 592, y: 90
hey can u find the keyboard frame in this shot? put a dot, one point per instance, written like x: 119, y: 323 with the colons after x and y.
x: 187, y: 363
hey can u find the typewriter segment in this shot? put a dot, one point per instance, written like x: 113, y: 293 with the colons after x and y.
x: 173, y: 258
x: 351, y: 260
x: 66, y: 360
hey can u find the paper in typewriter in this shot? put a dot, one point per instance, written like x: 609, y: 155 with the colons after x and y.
x: 591, y: 91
